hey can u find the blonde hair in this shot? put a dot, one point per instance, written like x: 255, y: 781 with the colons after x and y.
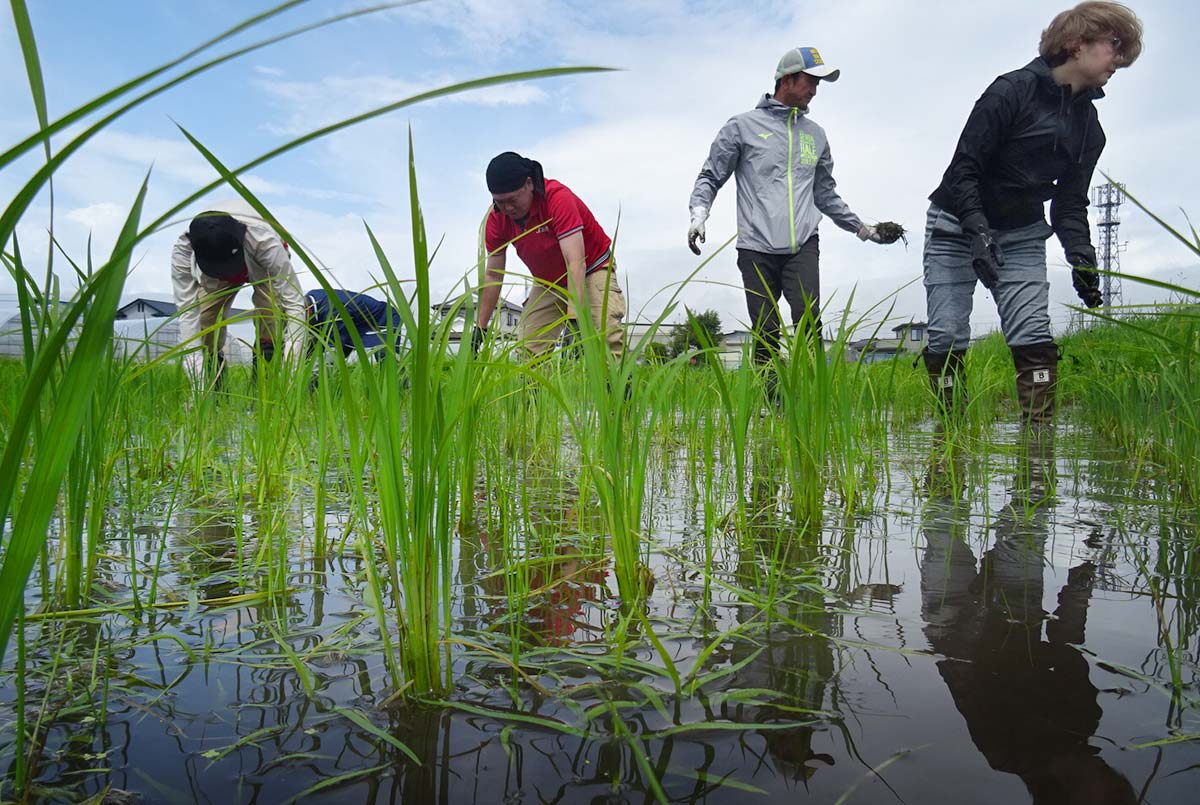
x: 1092, y: 21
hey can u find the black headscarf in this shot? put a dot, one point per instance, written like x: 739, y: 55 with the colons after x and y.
x: 508, y: 171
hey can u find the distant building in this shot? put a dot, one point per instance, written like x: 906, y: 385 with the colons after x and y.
x: 636, y: 331
x: 910, y: 337
x: 504, y: 318
x: 913, y: 336
x: 12, y: 340
x: 146, y: 309
x: 145, y: 329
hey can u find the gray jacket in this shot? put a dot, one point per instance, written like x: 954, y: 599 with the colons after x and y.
x: 784, y: 177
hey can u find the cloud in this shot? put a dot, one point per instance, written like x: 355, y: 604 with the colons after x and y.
x: 308, y: 105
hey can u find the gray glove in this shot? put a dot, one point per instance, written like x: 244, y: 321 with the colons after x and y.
x: 696, y: 228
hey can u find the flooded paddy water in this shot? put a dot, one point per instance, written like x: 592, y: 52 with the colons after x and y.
x: 995, y: 622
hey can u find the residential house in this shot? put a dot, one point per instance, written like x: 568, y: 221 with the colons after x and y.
x: 909, y: 338
x: 504, y: 318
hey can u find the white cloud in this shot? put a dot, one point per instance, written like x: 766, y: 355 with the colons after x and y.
x: 307, y: 105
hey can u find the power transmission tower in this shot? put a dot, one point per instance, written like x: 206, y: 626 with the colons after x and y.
x: 1107, y: 198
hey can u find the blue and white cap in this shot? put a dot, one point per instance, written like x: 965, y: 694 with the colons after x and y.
x: 806, y: 60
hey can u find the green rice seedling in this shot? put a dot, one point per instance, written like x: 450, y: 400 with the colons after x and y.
x: 1136, y: 380
x: 95, y: 306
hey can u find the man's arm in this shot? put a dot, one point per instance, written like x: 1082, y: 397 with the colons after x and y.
x: 826, y: 198
x: 489, y: 295
x: 270, y: 253
x: 187, y: 302
x: 722, y: 160
x: 576, y: 259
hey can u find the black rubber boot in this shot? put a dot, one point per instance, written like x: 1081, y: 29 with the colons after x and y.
x: 265, y: 352
x: 1037, y: 379
x: 948, y: 379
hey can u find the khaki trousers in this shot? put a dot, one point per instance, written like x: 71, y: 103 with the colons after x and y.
x: 546, y: 308
x: 215, y: 306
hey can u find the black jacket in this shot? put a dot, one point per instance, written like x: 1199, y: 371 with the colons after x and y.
x: 1028, y: 141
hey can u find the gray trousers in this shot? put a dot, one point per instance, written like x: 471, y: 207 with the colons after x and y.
x: 767, y: 276
x: 1022, y: 294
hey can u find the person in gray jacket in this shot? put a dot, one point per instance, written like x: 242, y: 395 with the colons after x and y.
x: 784, y: 184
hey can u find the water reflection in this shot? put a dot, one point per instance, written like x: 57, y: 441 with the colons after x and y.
x: 539, y: 582
x: 206, y: 551
x: 1014, y: 673
x: 782, y: 566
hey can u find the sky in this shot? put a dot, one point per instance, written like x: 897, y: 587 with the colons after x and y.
x: 628, y: 142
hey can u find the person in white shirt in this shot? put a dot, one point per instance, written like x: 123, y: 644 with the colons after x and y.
x: 222, y: 250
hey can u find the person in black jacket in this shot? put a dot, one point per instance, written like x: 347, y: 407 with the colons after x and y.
x: 1032, y: 137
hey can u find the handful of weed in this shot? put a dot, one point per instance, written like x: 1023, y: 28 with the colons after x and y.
x: 890, y: 232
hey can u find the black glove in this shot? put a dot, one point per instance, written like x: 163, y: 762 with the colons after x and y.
x: 1087, y: 285
x: 476, y: 339
x: 570, y: 332
x: 571, y: 339
x: 986, y: 256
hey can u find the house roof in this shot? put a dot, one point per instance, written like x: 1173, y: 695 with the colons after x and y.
x: 159, y: 306
x: 912, y: 325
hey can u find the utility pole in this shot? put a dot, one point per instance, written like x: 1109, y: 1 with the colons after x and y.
x: 1107, y: 198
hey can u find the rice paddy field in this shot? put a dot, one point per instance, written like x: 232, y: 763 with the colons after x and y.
x: 461, y: 579
x: 443, y: 577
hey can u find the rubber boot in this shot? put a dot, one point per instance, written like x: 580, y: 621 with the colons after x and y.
x: 1035, y: 482
x: 948, y: 378
x: 265, y: 351
x: 1037, y: 379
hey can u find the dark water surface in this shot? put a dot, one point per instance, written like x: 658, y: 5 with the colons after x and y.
x: 987, y: 630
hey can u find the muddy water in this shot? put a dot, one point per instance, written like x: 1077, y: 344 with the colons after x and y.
x: 987, y: 629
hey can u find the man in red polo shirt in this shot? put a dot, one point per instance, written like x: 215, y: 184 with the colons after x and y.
x: 566, y: 251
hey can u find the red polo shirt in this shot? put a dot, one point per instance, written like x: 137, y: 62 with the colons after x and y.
x: 554, y: 216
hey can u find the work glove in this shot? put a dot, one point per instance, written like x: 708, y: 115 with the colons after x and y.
x: 986, y: 256
x: 476, y: 339
x: 1087, y: 285
x: 696, y: 228
x: 570, y: 334
x: 868, y: 232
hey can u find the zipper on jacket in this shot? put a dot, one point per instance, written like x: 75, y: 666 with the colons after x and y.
x: 791, y: 169
x: 1087, y: 126
x: 1058, y: 119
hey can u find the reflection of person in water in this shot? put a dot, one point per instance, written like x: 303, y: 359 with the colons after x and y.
x: 208, y: 547
x: 795, y: 663
x: 558, y: 582
x: 1026, y: 696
